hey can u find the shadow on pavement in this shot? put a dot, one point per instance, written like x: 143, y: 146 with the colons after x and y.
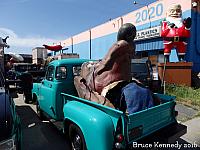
x: 38, y: 135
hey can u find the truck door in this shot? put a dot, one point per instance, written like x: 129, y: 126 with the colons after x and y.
x: 61, y: 85
x: 48, y: 92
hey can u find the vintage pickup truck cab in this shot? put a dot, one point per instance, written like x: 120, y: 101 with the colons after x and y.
x: 94, y: 126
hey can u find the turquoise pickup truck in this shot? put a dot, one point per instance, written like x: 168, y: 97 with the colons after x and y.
x: 94, y: 126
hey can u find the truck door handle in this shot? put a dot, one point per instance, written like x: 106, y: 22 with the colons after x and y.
x: 50, y: 85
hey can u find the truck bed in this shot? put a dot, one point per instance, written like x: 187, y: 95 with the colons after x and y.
x: 145, y: 122
x: 140, y: 124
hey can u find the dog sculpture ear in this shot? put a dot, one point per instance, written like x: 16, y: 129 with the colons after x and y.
x: 127, y: 32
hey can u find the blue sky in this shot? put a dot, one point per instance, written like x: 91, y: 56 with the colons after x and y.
x: 32, y: 23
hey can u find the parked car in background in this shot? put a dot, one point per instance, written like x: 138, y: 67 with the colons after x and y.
x: 19, y: 68
x: 22, y: 75
x: 10, y: 125
x: 142, y: 70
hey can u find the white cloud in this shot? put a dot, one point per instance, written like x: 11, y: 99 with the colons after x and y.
x: 5, y: 32
x: 26, y: 42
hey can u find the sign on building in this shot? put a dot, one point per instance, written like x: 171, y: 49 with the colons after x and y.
x: 148, y: 33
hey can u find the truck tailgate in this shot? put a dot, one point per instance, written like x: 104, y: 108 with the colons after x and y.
x: 143, y: 123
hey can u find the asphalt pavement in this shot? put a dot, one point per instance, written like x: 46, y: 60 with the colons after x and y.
x: 38, y: 135
x: 192, y: 123
x: 186, y: 113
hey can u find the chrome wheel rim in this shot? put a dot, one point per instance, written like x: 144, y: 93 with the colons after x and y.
x: 77, y: 143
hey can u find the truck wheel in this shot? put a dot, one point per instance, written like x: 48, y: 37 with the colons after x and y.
x: 39, y: 111
x: 76, y: 138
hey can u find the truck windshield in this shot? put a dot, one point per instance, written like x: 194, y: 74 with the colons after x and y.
x: 76, y: 70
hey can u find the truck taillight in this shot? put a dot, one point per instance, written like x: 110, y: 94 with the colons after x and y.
x: 119, y: 138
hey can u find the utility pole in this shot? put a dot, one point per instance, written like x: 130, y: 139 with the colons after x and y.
x: 2, y: 57
x: 3, y: 45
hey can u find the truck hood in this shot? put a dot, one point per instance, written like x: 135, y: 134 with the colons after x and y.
x: 6, y: 118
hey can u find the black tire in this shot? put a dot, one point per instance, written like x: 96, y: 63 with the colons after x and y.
x: 39, y: 111
x: 76, y: 137
x: 18, y: 138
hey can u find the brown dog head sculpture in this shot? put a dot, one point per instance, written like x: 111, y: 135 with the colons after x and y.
x: 127, y: 32
x: 116, y: 65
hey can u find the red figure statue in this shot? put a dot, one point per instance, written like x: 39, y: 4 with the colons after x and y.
x: 175, y: 32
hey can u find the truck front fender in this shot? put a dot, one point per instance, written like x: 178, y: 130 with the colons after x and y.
x: 96, y: 126
x: 35, y: 89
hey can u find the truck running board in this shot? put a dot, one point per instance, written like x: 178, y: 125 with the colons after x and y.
x: 57, y: 124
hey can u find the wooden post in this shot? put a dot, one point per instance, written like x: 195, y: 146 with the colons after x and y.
x: 2, y: 58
